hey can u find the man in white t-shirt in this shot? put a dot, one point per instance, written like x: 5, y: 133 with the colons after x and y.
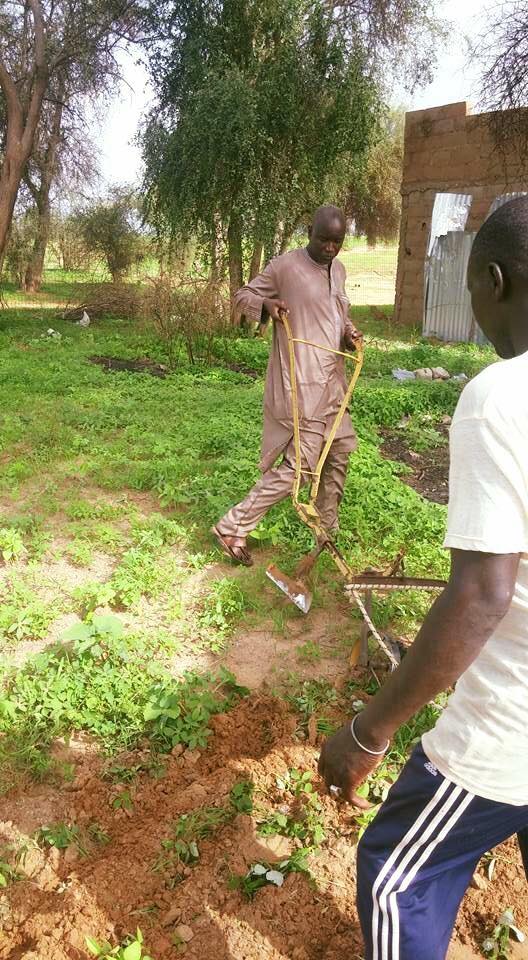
x: 465, y: 788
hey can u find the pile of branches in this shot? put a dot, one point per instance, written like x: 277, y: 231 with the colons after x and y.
x: 187, y: 314
x: 123, y: 300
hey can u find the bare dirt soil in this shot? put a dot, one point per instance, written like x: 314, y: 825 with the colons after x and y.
x: 429, y: 470
x: 113, y: 888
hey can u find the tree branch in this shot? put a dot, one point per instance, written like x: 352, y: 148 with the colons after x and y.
x: 15, y: 120
x: 41, y: 77
x: 33, y: 189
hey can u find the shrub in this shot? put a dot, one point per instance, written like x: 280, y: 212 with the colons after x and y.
x: 189, y: 313
x: 110, y: 230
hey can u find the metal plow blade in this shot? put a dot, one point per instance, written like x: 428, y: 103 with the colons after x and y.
x: 294, y: 589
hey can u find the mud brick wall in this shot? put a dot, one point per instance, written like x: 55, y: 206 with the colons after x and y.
x: 447, y: 150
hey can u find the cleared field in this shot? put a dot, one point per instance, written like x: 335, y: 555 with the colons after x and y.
x: 371, y: 273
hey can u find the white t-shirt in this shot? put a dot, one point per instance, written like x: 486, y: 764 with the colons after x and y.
x: 481, y: 740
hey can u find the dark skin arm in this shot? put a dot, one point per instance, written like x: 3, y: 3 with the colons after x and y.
x: 454, y: 632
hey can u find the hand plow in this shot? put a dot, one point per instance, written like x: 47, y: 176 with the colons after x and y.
x: 359, y: 587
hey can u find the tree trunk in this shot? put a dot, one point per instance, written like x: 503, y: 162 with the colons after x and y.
x: 35, y: 268
x: 10, y: 177
x: 256, y: 259
x: 215, y: 262
x: 285, y: 240
x: 272, y: 245
x: 47, y: 170
x: 234, y: 243
x: 22, y: 122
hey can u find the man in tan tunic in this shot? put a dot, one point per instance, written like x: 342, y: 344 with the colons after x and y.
x: 310, y: 284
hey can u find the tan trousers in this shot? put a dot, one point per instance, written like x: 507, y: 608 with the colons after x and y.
x: 277, y: 483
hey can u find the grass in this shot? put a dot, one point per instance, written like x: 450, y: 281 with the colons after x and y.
x: 182, y: 848
x: 136, y: 469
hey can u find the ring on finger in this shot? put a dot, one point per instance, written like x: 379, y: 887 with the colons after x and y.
x: 335, y: 791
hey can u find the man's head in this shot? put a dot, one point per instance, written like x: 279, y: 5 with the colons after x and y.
x: 326, y: 233
x: 498, y: 278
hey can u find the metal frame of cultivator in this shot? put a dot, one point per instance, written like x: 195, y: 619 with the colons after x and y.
x: 369, y: 581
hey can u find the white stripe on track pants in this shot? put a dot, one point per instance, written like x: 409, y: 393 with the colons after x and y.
x: 417, y: 858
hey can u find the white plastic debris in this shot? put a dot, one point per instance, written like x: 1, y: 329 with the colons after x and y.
x: 85, y: 320
x: 400, y: 374
x: 258, y: 870
x: 275, y: 877
x: 460, y: 377
x: 507, y: 920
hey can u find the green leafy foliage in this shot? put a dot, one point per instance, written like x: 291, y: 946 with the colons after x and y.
x: 23, y: 615
x: 180, y: 712
x: 107, y: 684
x: 222, y: 607
x: 300, y: 817
x: 241, y: 797
x: 131, y: 948
x: 11, y: 545
x: 312, y: 698
x: 192, y: 440
x: 213, y: 147
x: 109, y: 229
x: 61, y: 836
x: 8, y: 872
x: 182, y: 849
x: 266, y: 874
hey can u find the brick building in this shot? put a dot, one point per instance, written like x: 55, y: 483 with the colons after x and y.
x: 447, y: 150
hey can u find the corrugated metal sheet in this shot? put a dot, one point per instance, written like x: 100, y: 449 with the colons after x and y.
x: 500, y: 201
x: 450, y: 212
x: 448, y: 313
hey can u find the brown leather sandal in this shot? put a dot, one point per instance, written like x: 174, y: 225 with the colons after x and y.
x: 237, y: 551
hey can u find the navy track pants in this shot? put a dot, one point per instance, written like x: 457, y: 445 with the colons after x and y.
x: 416, y: 860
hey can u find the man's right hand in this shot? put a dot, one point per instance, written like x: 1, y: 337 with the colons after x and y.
x: 274, y: 308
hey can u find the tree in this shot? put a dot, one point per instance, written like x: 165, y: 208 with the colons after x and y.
x: 502, y: 50
x: 63, y: 158
x: 41, y: 40
x: 67, y: 241
x: 110, y: 230
x: 18, y: 251
x: 224, y: 156
x: 374, y: 200
x: 38, y: 177
x: 262, y: 110
x: 401, y: 37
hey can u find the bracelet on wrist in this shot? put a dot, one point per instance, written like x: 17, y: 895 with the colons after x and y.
x: 373, y: 753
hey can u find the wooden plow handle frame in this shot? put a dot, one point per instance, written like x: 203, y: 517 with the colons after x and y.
x: 316, y: 475
x: 309, y: 514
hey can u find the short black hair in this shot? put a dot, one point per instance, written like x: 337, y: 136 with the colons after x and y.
x: 503, y: 239
x: 328, y: 212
